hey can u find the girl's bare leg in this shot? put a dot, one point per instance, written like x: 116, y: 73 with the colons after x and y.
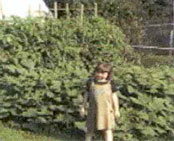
x: 108, y: 135
x: 89, y: 136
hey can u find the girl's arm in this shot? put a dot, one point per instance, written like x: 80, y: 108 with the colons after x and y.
x: 83, y: 108
x: 116, y: 104
x: 85, y: 98
x: 115, y: 90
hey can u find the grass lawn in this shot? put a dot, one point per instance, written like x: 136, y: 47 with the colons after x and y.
x: 8, y: 134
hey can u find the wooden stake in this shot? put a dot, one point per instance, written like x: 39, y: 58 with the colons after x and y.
x: 40, y: 10
x: 95, y: 9
x: 55, y: 10
x: 0, y: 7
x: 29, y: 10
x: 67, y: 10
x: 81, y: 14
x: 171, y: 35
x: 1, y: 10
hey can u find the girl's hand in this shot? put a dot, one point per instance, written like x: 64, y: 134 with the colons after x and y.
x: 117, y: 114
x: 82, y: 112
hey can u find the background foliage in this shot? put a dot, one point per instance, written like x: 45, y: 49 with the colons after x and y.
x: 44, y: 64
x: 44, y: 67
x: 132, y: 16
x: 146, y: 102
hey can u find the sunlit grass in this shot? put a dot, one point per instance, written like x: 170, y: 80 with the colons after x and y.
x: 9, y: 134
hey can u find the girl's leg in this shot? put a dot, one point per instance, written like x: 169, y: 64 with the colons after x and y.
x: 108, y: 135
x: 89, y: 136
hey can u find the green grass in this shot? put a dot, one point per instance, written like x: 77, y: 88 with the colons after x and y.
x: 9, y: 134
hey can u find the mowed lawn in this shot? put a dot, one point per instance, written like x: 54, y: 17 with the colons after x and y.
x: 9, y: 134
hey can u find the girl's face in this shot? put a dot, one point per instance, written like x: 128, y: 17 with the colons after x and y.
x: 101, y: 75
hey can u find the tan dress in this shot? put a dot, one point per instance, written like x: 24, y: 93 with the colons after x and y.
x: 101, y: 108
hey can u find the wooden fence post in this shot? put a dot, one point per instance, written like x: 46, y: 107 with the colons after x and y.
x: 67, y: 11
x: 81, y: 14
x: 1, y: 10
x: 55, y: 10
x: 95, y: 9
x: 40, y: 10
x: 29, y: 10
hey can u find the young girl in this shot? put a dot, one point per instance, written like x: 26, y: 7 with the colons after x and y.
x: 103, y: 107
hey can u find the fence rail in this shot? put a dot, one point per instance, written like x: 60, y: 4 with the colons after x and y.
x: 159, y: 25
x: 154, y: 49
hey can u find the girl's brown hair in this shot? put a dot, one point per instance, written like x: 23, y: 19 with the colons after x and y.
x: 102, y: 67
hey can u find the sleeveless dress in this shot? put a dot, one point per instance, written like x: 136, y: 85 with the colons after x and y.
x: 101, y: 108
